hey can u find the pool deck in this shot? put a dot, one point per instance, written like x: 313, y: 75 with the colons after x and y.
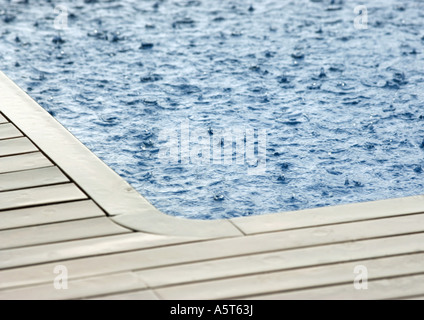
x: 60, y: 205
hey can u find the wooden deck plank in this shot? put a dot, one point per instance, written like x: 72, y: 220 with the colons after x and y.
x: 16, y: 146
x: 291, y: 280
x: 31, y: 178
x: 87, y: 266
x: 83, y: 248
x: 288, y: 240
x: 138, y: 295
x: 394, y: 288
x: 77, y: 289
x: 232, y: 267
x: 74, y: 230
x: 271, y: 242
x: 268, y: 282
x: 297, y: 238
x: 49, y: 214
x: 323, y: 255
x: 330, y: 215
x: 2, y: 119
x: 8, y: 131
x: 24, y: 162
x: 40, y: 196
x: 180, y: 254
x: 419, y: 298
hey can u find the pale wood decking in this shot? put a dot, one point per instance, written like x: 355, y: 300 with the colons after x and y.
x: 52, y: 215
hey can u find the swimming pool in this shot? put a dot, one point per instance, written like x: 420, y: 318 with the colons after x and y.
x: 331, y: 113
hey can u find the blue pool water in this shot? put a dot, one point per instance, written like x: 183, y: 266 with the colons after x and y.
x: 342, y: 108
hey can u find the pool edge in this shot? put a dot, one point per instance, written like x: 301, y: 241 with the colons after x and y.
x: 129, y: 208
